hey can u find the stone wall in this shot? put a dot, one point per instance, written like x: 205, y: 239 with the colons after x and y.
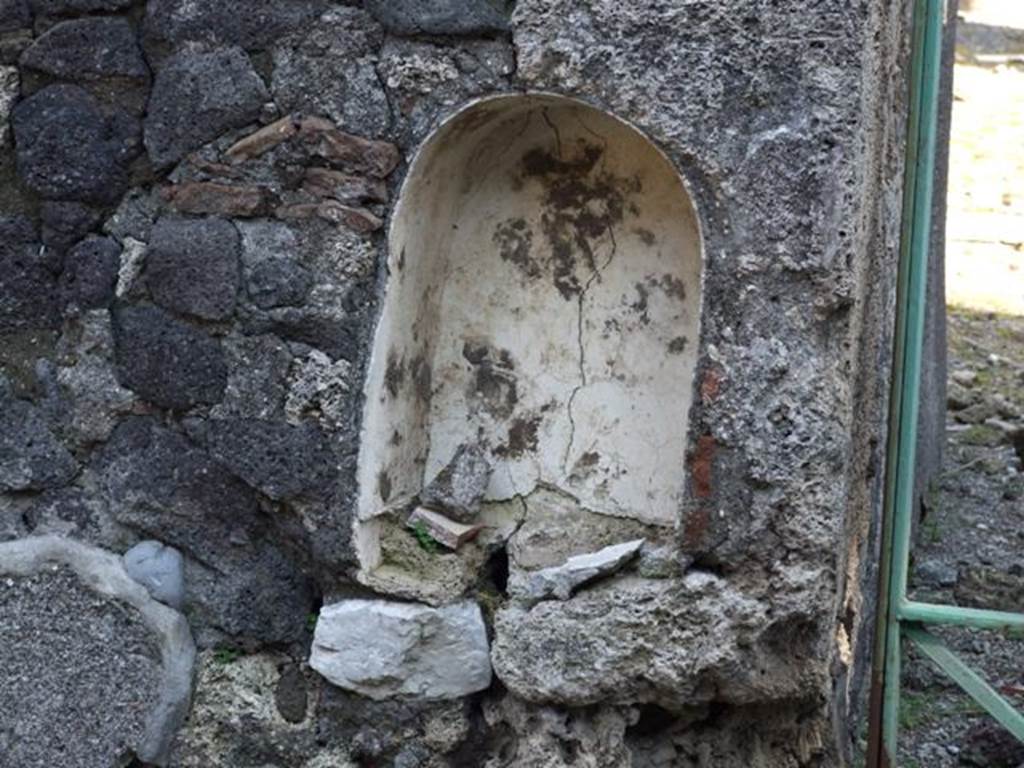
x: 193, y: 259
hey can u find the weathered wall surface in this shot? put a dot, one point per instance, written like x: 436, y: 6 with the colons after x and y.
x: 192, y: 260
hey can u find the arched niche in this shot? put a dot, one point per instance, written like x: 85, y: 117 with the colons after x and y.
x: 543, y: 301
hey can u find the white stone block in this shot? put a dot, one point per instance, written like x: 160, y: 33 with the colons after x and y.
x: 383, y: 649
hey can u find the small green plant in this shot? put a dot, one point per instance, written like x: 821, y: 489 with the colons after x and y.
x: 427, y: 542
x: 930, y: 530
x: 980, y: 435
x: 226, y: 655
x: 1013, y: 633
x: 968, y: 706
x: 916, y: 709
x: 311, y: 620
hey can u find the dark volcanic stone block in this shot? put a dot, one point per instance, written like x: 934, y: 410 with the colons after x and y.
x: 64, y: 224
x: 279, y: 459
x: 87, y: 49
x: 67, y: 149
x: 196, y: 97
x: 192, y: 266
x: 278, y: 282
x: 166, y: 361
x: 238, y: 580
x: 90, y: 273
x: 247, y: 23
x: 28, y: 288
x: 65, y: 7
x: 31, y: 458
x: 14, y: 14
x: 440, y: 17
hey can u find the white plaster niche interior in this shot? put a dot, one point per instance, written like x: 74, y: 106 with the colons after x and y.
x: 543, y: 306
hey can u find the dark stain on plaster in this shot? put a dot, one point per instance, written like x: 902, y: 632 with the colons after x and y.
x: 677, y: 346
x: 641, y: 305
x: 422, y: 378
x: 586, y: 466
x: 514, y: 239
x: 671, y: 285
x: 394, y: 374
x: 580, y: 205
x: 384, y: 485
x: 494, y: 385
x: 646, y: 236
x: 522, y: 437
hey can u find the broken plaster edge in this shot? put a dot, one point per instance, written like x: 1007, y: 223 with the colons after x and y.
x: 103, y: 572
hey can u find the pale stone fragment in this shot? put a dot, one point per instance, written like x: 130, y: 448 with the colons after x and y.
x: 562, y: 580
x: 385, y: 650
x: 443, y: 530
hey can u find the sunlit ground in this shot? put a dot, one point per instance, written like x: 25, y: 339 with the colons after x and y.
x: 985, y: 232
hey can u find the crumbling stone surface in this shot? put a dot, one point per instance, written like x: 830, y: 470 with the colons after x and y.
x: 197, y: 96
x: 68, y: 149
x: 236, y: 720
x: 87, y: 49
x: 192, y: 266
x: 331, y: 71
x: 544, y: 736
x: 10, y: 89
x: 73, y: 622
x: 165, y: 361
x: 93, y: 399
x: 588, y: 649
x: 427, y: 653
x: 441, y: 17
x: 257, y: 377
x: 321, y: 389
x: 426, y: 79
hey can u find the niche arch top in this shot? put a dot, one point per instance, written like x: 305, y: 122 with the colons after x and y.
x: 543, y: 302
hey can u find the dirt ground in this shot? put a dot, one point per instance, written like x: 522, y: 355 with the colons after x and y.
x: 971, y: 547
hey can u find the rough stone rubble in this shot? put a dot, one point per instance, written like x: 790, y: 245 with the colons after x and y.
x: 192, y: 251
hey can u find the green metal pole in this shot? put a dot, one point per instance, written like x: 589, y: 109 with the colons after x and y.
x: 969, y: 680
x: 911, y: 292
x: 952, y: 615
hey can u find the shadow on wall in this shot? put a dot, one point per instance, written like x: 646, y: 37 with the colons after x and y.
x: 543, y: 305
